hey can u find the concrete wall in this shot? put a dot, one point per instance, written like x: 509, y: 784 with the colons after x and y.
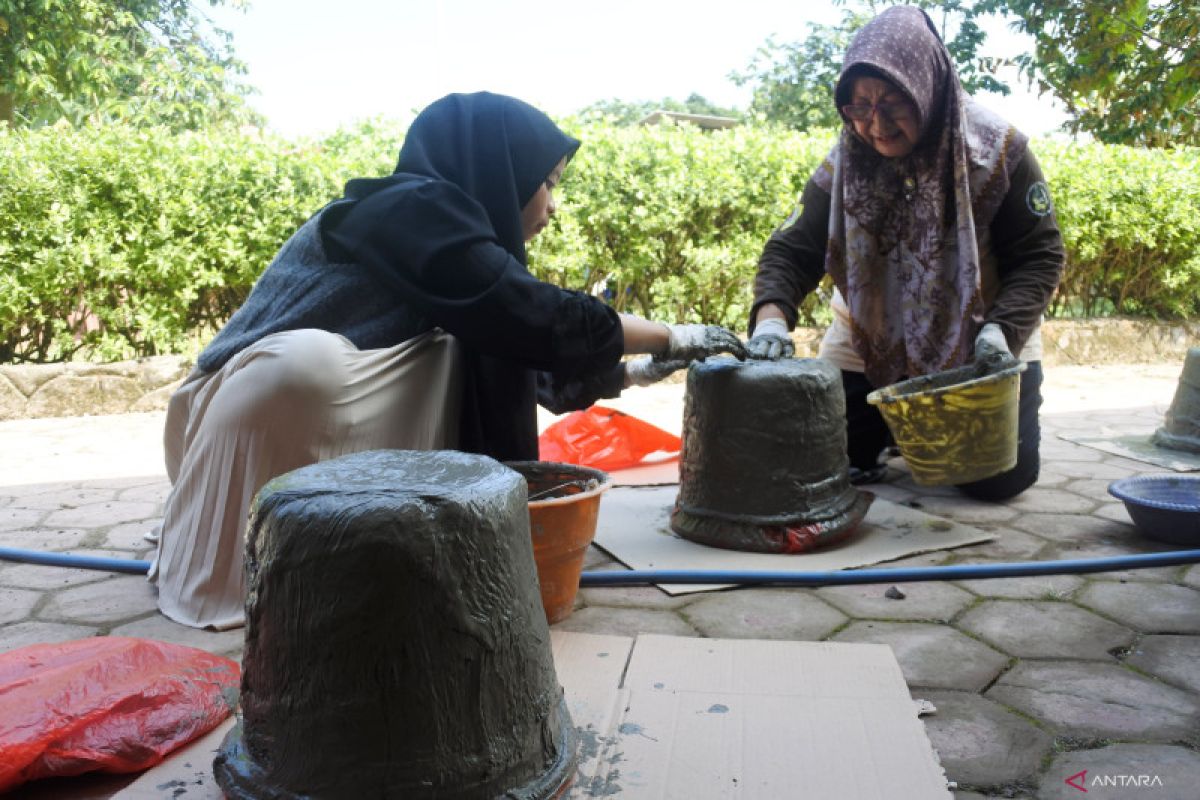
x: 75, y: 389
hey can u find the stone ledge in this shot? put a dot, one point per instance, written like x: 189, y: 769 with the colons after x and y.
x: 73, y: 389
x: 78, y: 389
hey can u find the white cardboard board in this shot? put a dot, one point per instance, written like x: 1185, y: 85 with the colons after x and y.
x: 1134, y: 442
x: 634, y: 527
x: 699, y: 719
x: 723, y: 718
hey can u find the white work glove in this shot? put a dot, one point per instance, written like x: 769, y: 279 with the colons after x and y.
x: 698, y: 342
x: 645, y: 370
x: 991, y: 347
x: 770, y: 341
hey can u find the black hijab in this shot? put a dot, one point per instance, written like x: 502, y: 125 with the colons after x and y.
x: 469, y: 164
x: 472, y: 162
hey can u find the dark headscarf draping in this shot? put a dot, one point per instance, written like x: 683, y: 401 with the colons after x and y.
x: 469, y: 164
x: 903, y: 248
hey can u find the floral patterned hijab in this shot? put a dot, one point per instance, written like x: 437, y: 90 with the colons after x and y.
x: 903, y: 249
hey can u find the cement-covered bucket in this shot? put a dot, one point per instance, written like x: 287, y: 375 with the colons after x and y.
x: 564, y: 503
x: 955, y: 426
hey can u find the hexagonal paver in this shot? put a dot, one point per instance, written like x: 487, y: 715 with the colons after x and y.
x: 164, y: 630
x: 1086, y: 699
x: 1175, y: 659
x: 12, y: 517
x: 1089, y: 469
x: 633, y: 597
x: 152, y: 492
x: 95, y: 515
x: 1091, y: 487
x: 1052, y: 500
x: 763, y: 614
x: 1036, y: 587
x: 1033, y: 629
x: 23, y: 634
x: 1116, y: 512
x: 967, y: 510
x: 1051, y: 478
x: 107, y: 601
x: 130, y: 535
x: 1192, y: 576
x: 38, y: 576
x: 935, y: 656
x: 626, y: 622
x: 1060, y: 450
x: 15, y: 604
x: 66, y: 498
x: 925, y: 601
x: 1071, y: 527
x: 42, y: 539
x: 983, y: 744
x: 1149, y: 607
x: 1115, y: 772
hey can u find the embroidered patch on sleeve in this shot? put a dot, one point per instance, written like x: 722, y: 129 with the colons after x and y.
x: 1037, y: 199
x: 790, y: 221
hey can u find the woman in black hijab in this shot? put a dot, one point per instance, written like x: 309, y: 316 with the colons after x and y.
x: 400, y: 316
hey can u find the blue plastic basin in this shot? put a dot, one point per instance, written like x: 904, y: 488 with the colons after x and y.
x: 1164, y: 507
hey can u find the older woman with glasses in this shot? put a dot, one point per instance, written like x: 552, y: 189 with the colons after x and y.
x: 933, y: 219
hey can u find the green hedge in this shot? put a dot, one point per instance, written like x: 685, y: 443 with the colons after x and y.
x: 118, y: 242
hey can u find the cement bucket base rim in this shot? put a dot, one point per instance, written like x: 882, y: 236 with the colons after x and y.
x: 241, y: 778
x: 801, y: 536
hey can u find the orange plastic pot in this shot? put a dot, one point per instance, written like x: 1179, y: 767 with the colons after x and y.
x: 564, y: 501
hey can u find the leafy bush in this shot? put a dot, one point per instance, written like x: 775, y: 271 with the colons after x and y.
x: 668, y: 221
x: 120, y: 242
x: 1130, y: 220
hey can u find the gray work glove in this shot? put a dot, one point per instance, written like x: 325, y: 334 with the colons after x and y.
x: 645, y: 370
x: 991, y: 348
x: 770, y: 341
x: 698, y: 342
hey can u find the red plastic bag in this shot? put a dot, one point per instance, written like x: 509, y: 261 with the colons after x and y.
x: 605, y: 439
x: 112, y: 704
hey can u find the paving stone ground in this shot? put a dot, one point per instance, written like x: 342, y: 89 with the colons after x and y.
x: 1034, y: 679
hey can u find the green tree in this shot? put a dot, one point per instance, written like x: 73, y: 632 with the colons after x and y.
x: 1128, y: 71
x: 793, y: 82
x: 153, y: 62
x: 627, y: 112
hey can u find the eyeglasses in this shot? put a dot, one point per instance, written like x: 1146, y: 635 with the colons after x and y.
x: 895, y: 111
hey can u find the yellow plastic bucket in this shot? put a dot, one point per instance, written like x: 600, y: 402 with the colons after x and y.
x: 956, y: 426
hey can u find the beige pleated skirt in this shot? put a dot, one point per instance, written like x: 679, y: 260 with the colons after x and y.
x: 291, y: 399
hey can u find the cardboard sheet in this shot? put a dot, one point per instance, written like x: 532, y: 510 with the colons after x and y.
x: 701, y: 719
x: 1134, y: 442
x: 633, y: 527
x: 723, y: 718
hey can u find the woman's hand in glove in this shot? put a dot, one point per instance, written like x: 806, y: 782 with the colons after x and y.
x: 698, y: 342
x: 770, y: 341
x: 991, y: 347
x: 646, y: 370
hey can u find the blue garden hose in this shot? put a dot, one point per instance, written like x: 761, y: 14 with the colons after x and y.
x: 131, y: 565
x: 956, y: 572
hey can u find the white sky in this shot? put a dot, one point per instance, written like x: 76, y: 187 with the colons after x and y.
x: 318, y: 65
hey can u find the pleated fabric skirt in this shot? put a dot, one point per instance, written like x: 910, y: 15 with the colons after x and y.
x: 291, y: 399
